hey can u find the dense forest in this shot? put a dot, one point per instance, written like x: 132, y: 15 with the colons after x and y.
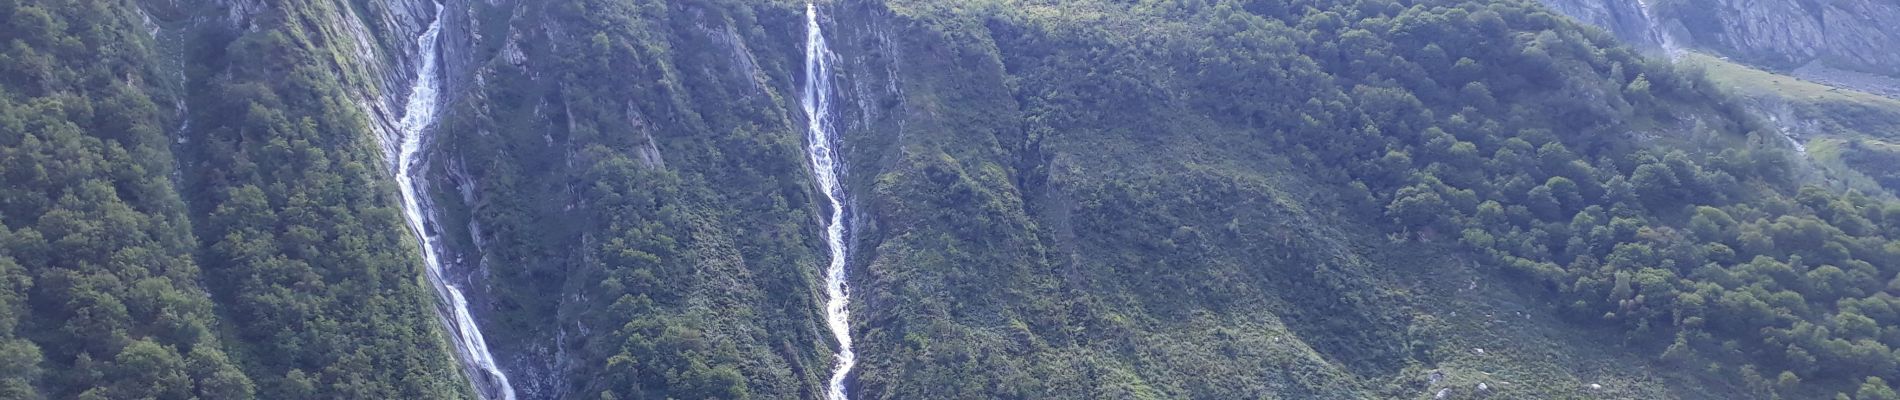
x: 1631, y: 192
x: 102, y: 296
x: 288, y: 278
x: 1051, y: 199
x: 300, y: 226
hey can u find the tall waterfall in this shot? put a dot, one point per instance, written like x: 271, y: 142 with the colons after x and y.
x: 826, y: 166
x: 417, y: 117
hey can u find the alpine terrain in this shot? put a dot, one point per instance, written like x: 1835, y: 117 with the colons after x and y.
x: 949, y: 199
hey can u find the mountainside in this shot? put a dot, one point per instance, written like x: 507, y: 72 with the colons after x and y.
x: 642, y: 199
x: 1815, y: 70
x: 99, y: 291
x: 1854, y: 35
x: 1845, y: 43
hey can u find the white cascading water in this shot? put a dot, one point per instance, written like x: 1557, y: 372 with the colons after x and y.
x: 825, y: 166
x: 418, y: 115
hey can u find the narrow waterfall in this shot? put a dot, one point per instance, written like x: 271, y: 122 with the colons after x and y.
x: 826, y: 166
x: 418, y: 115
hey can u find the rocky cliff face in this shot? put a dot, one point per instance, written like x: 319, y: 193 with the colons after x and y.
x: 1852, y: 35
x: 378, y: 62
x: 1623, y: 18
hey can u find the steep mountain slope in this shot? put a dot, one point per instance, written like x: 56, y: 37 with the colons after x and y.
x: 306, y: 289
x: 99, y: 289
x: 641, y: 159
x: 1045, y: 199
x: 1844, y: 132
x: 303, y: 241
x: 1813, y: 69
x: 1064, y: 190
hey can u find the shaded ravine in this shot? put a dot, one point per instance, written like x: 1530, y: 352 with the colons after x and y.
x: 826, y: 168
x: 418, y: 116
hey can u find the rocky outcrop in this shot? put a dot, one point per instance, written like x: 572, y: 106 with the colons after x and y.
x: 1851, y: 35
x: 1623, y: 18
x: 379, y: 62
x: 1861, y: 34
x: 1856, y: 35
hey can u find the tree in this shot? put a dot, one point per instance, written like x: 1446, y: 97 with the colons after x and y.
x: 1787, y: 381
x: 1827, y: 283
x: 148, y: 370
x: 1710, y: 223
x: 1418, y: 207
x: 23, y: 359
x: 1544, y: 204
x: 216, y: 377
x: 1874, y: 388
x: 1638, y: 89
x: 1655, y: 184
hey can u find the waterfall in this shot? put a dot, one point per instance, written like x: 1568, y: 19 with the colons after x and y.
x: 418, y: 115
x: 826, y: 167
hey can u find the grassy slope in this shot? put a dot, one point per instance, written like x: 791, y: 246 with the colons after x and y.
x: 1756, y: 82
x: 1849, y: 134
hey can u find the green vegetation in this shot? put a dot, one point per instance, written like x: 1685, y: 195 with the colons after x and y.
x: 656, y: 183
x: 1847, y: 132
x: 1083, y: 179
x: 1054, y: 199
x: 305, y: 248
x: 322, y: 305
x: 308, y: 288
x: 100, y: 294
x: 1753, y: 82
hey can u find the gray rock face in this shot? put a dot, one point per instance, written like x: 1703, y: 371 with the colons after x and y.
x: 239, y: 12
x: 1855, y: 35
x: 1773, y: 32
x: 1623, y: 18
x: 1862, y: 35
x: 1852, y: 35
